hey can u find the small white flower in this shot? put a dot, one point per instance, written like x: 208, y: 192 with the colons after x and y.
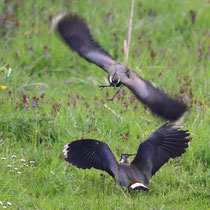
x: 14, y: 156
x: 1, y: 203
x: 18, y: 172
x: 27, y: 166
x: 16, y: 169
x: 11, y: 171
x: 9, y: 166
x: 3, y: 158
x: 32, y: 162
x: 9, y: 203
x: 9, y: 72
x: 22, y: 160
x: 4, y: 207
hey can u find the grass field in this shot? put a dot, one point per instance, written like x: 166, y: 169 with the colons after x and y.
x: 52, y: 98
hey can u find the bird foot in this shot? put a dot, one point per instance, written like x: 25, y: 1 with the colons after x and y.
x: 110, y: 99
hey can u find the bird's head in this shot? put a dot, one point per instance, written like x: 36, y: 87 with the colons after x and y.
x: 120, y: 73
x: 114, y: 80
x: 125, y: 158
x: 114, y: 74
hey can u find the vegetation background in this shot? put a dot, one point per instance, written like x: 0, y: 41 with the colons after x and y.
x: 52, y: 98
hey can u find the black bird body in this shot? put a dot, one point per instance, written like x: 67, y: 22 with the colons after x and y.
x: 130, y: 174
x: 75, y: 32
x: 165, y: 143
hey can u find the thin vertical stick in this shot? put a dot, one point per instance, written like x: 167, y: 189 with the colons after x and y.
x: 127, y: 42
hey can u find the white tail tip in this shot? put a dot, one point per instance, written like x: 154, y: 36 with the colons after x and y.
x: 138, y: 186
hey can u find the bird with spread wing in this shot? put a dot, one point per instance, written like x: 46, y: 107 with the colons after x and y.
x: 76, y: 34
x: 164, y: 143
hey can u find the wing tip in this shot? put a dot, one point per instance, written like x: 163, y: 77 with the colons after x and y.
x: 173, y: 127
x: 65, y: 150
x: 56, y: 20
x: 63, y: 20
x: 175, y: 139
x: 176, y: 110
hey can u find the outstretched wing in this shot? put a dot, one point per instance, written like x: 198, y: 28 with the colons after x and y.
x: 75, y: 32
x: 156, y: 100
x: 91, y: 153
x: 163, y: 144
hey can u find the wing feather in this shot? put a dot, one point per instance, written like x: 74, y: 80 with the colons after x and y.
x: 75, y: 32
x: 158, y: 102
x: 91, y: 153
x: 159, y: 147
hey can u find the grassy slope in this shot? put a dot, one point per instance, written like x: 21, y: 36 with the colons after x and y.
x: 72, y: 106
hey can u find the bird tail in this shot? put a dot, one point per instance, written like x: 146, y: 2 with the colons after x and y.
x: 138, y: 186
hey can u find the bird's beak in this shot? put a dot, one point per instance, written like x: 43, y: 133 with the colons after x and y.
x: 114, y: 86
x: 131, y: 154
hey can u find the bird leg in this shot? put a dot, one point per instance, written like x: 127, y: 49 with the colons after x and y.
x: 114, y: 82
x: 111, y: 99
x: 103, y: 86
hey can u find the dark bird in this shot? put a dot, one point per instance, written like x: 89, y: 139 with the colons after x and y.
x: 164, y: 143
x: 75, y: 32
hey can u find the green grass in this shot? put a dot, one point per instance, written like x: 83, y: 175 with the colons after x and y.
x: 73, y: 104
